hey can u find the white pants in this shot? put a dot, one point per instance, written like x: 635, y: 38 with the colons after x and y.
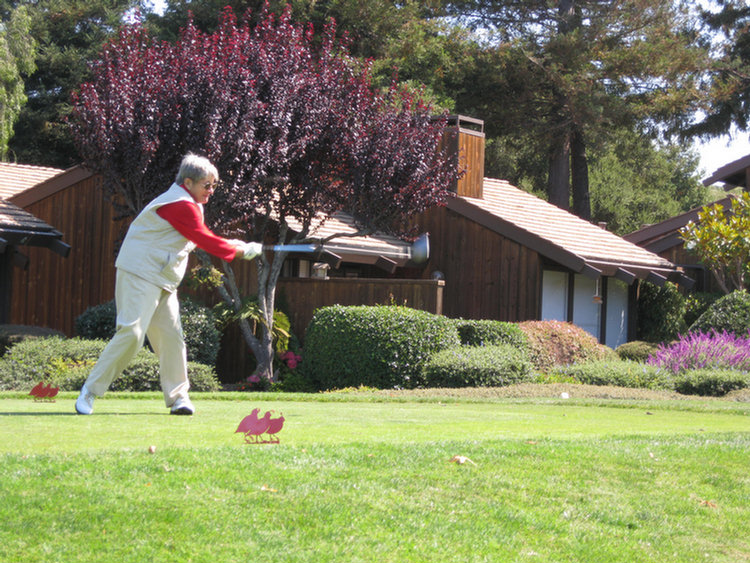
x: 144, y: 309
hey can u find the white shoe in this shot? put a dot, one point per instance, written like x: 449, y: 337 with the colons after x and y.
x: 182, y: 406
x: 85, y: 402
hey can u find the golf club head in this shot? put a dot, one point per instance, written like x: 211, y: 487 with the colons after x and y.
x: 420, y: 249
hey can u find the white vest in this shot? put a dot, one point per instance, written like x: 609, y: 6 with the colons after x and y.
x: 153, y: 249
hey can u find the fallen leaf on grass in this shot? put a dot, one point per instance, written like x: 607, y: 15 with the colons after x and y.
x: 709, y: 504
x: 268, y: 489
x: 460, y: 460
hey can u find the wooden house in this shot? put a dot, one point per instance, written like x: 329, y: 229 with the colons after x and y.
x: 21, y: 231
x: 497, y: 252
x: 664, y: 238
x: 505, y: 254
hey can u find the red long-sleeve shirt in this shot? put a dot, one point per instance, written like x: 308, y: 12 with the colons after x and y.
x: 187, y: 220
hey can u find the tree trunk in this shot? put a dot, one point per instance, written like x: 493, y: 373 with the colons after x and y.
x: 580, y: 177
x: 558, y: 180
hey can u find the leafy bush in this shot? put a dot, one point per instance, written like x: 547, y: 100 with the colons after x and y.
x: 66, y: 363
x: 661, y: 312
x: 11, y: 335
x: 477, y: 366
x: 711, y: 382
x: 489, y: 332
x: 637, y: 350
x: 380, y: 346
x: 619, y: 373
x: 698, y: 303
x: 698, y: 350
x: 731, y: 313
x: 97, y: 322
x: 554, y: 343
x: 202, y: 339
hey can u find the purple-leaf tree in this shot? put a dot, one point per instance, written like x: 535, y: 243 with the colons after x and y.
x: 295, y: 129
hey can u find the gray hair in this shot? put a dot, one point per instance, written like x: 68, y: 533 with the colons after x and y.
x: 195, y: 167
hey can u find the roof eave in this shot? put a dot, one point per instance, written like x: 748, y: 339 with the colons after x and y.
x: 592, y: 268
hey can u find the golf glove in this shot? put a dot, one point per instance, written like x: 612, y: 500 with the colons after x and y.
x: 250, y: 249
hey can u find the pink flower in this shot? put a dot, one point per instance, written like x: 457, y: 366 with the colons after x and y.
x: 292, y: 363
x: 253, y: 379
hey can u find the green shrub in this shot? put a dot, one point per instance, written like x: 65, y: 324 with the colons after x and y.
x: 202, y: 339
x: 619, y: 373
x: 97, y: 322
x: 488, y: 332
x: 637, y: 350
x: 477, y: 366
x: 698, y: 303
x: 66, y: 363
x: 381, y: 346
x: 731, y: 314
x: 554, y: 343
x: 661, y: 312
x: 711, y: 382
x: 10, y: 335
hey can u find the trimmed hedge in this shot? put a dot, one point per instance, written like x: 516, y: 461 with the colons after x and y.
x: 731, y: 313
x: 202, y: 339
x: 488, y: 333
x: 382, y: 346
x: 619, y: 373
x: 711, y: 382
x: 479, y: 366
x: 66, y: 363
x: 637, y: 350
x: 10, y: 335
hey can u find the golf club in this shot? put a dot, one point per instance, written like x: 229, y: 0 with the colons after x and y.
x: 418, y: 252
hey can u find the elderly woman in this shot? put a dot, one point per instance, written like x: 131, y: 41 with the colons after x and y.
x: 150, y: 266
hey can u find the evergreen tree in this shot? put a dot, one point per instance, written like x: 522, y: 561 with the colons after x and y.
x: 69, y: 33
x: 730, y: 80
x: 580, y: 69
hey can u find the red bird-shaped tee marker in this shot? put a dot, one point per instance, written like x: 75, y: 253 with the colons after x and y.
x: 274, y: 427
x: 254, y: 428
x: 40, y: 392
x: 248, y: 422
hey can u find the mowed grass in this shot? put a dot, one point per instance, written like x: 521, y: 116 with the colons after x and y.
x: 362, y: 479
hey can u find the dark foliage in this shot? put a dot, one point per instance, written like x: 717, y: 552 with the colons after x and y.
x: 731, y: 313
x: 661, y: 313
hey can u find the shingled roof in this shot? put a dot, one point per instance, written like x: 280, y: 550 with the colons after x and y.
x: 735, y: 174
x: 16, y: 178
x: 21, y: 228
x: 561, y: 236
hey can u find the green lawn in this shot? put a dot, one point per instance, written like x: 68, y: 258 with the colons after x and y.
x: 358, y: 478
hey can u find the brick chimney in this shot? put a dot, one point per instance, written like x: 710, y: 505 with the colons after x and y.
x: 464, y: 137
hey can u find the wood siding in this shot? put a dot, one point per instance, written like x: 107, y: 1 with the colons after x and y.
x: 487, y: 276
x: 471, y: 160
x: 53, y: 290
x: 303, y: 296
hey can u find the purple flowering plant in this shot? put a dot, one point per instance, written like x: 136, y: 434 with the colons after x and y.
x: 704, y: 350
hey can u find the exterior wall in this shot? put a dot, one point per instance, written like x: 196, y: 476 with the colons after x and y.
x: 54, y: 290
x: 704, y: 279
x: 486, y: 275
